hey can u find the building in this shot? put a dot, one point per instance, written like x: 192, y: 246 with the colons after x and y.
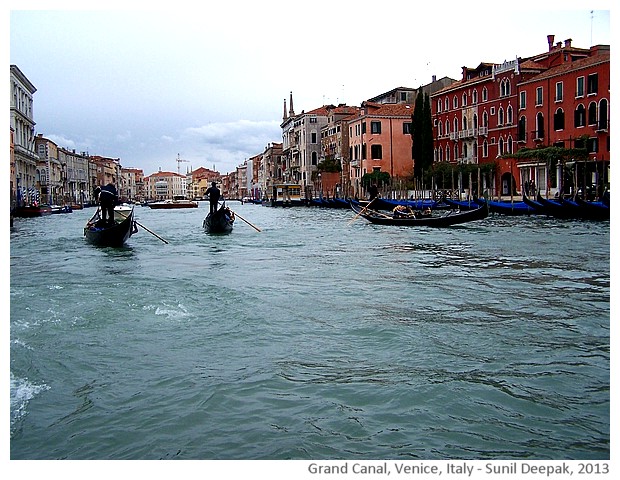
x: 301, y: 145
x: 380, y: 141
x: 23, y: 177
x: 79, y: 177
x: 49, y: 174
x: 495, y: 110
x: 131, y: 185
x: 165, y: 185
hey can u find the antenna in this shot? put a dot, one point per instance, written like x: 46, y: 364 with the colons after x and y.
x: 591, y: 25
x: 179, y: 160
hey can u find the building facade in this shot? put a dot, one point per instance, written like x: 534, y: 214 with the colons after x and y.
x: 24, y: 174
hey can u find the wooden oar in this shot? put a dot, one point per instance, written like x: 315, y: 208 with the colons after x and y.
x: 361, y: 211
x: 237, y: 215
x: 93, y: 217
x: 253, y: 226
x: 140, y: 225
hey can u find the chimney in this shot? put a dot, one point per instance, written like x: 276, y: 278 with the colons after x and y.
x: 550, y: 41
x: 434, y: 78
x: 568, y: 42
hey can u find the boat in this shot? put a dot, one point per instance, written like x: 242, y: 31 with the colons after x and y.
x: 594, y: 210
x: 448, y: 218
x: 109, y: 235
x: 122, y: 211
x: 29, y: 211
x: 221, y: 221
x: 176, y: 202
x: 285, y: 195
x: 61, y: 208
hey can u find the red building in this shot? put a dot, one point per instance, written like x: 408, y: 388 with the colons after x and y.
x: 557, y: 98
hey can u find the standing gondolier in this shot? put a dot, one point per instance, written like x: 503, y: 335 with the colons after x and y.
x: 107, y: 197
x: 214, y: 196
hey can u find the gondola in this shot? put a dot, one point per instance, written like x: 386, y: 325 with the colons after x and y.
x: 451, y: 217
x: 109, y: 235
x: 221, y: 221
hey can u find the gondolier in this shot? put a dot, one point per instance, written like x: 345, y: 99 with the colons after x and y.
x: 107, y: 197
x: 214, y: 196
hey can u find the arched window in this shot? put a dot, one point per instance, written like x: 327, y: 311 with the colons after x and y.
x: 485, y: 94
x: 521, y: 130
x: 440, y: 128
x: 580, y: 116
x: 509, y: 115
x: 558, y: 119
x: 456, y: 124
x: 475, y: 120
x: 485, y: 149
x: 509, y: 144
x: 447, y: 153
x: 540, y: 126
x: 439, y: 106
x: 485, y: 119
x: 456, y: 151
x: 464, y: 123
x: 464, y: 99
x: 592, y: 113
x: 501, y: 146
x: 455, y: 102
x: 602, y: 115
x: 446, y: 104
x: 474, y: 97
x: 500, y: 116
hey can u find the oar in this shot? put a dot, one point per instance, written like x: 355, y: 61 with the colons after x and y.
x: 361, y: 211
x: 237, y: 215
x: 253, y: 226
x: 140, y: 225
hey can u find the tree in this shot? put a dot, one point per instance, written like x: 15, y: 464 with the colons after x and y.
x: 422, y: 135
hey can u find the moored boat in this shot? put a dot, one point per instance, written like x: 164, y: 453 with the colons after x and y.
x: 448, y: 218
x: 29, y: 211
x: 113, y: 234
x: 175, y: 203
x: 220, y: 221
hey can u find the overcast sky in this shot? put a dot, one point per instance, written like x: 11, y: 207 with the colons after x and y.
x: 146, y: 85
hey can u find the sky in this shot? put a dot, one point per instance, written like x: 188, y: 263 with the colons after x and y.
x: 150, y: 85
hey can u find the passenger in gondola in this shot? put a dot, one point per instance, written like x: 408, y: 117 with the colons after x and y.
x: 107, y: 196
x: 402, y: 211
x: 426, y: 212
x: 214, y: 196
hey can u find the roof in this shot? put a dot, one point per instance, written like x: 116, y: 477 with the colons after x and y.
x: 570, y: 67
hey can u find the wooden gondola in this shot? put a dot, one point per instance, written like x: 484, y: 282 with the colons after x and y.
x: 113, y: 234
x: 448, y: 218
x: 221, y: 221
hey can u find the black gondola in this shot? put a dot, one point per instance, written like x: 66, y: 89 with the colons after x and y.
x: 452, y: 217
x: 221, y: 221
x: 110, y: 234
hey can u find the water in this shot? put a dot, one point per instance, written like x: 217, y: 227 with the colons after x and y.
x: 316, y: 338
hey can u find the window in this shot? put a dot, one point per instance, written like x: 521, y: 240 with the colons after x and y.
x: 375, y: 127
x: 440, y: 129
x: 485, y: 149
x: 464, y: 99
x: 540, y: 126
x: 539, y: 96
x: 455, y: 102
x: 522, y: 100
x: 500, y: 116
x: 447, y: 153
x: 592, y: 83
x: 559, y: 91
x: 407, y: 128
x: 602, y: 115
x: 446, y: 104
x: 580, y: 116
x: 485, y: 94
x: 509, y: 144
x: 363, y: 127
x: 313, y: 137
x: 592, y: 145
x: 501, y: 146
x: 403, y: 96
x: 464, y: 123
x: 558, y: 120
x: 521, y: 130
x: 474, y: 97
x: 314, y: 158
x: 485, y: 119
x: 509, y: 115
x: 438, y: 106
x: 456, y: 124
x: 376, y: 152
x: 580, y: 87
x: 592, y: 113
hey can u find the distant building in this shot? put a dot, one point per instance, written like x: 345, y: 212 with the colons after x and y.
x: 165, y: 185
x: 22, y: 125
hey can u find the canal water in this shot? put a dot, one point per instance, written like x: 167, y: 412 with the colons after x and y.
x: 319, y: 337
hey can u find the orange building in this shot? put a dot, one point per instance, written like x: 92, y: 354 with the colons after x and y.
x: 380, y: 141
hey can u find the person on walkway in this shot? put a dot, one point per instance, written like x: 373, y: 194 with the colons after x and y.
x: 108, y: 198
x: 214, y: 196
